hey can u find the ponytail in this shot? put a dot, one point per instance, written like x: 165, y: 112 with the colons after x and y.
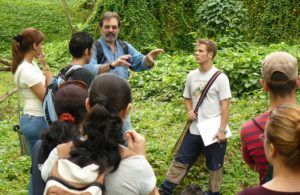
x: 101, y: 139
x: 102, y: 128
x: 17, y: 54
x: 23, y: 43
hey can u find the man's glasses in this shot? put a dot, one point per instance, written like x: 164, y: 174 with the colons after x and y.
x: 107, y: 27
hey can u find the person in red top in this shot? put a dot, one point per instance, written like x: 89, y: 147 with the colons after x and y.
x: 252, y: 146
x: 280, y: 80
x: 282, y: 147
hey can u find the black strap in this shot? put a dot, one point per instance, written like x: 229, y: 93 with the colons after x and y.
x: 257, y: 125
x: 100, y: 54
x: 205, y: 90
x: 124, y: 47
x: 70, y: 186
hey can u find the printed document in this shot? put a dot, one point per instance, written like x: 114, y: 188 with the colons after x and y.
x: 209, y: 127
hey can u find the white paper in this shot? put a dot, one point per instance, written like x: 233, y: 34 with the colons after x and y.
x: 209, y: 127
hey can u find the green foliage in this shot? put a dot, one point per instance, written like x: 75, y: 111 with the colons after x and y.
x: 48, y: 16
x: 219, y: 18
x: 273, y: 22
x: 150, y: 23
x: 161, y: 83
x: 157, y: 112
x: 57, y: 54
x: 241, y: 64
x: 14, y: 170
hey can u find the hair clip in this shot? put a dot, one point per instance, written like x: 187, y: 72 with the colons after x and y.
x: 67, y: 117
x: 18, y: 38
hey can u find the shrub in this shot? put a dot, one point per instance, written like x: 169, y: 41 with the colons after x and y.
x: 241, y: 64
x: 273, y: 21
x: 219, y: 18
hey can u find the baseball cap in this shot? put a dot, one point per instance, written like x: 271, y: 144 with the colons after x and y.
x: 282, y: 62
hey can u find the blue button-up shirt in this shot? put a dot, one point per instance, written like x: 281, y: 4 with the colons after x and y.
x: 137, y: 60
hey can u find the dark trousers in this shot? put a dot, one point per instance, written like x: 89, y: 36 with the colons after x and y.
x: 188, y: 153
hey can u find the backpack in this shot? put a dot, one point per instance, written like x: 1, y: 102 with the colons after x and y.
x: 48, y: 102
x: 57, y: 185
x: 100, y: 54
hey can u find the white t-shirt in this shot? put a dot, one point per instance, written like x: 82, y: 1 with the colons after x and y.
x: 210, y: 107
x: 31, y: 75
x: 133, y: 176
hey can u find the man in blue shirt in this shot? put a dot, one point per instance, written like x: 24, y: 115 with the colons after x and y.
x: 116, y: 61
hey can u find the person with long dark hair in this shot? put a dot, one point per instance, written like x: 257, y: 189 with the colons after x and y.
x: 282, y: 148
x: 70, y: 107
x: 31, y: 79
x: 98, y: 150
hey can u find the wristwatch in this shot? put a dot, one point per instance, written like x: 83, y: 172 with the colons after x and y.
x: 110, y: 66
x: 223, y: 131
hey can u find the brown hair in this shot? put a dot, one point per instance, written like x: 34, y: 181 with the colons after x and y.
x: 210, y: 46
x: 23, y: 43
x: 109, y: 15
x: 283, y: 131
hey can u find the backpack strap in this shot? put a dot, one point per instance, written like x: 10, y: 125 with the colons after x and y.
x: 76, y: 186
x: 19, y: 91
x: 205, y: 90
x: 258, y: 126
x: 124, y: 46
x: 101, y: 58
x: 72, y: 187
x: 100, y: 54
x: 71, y: 70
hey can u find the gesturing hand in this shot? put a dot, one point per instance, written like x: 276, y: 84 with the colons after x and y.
x: 122, y: 61
x: 136, y: 142
x: 154, y: 53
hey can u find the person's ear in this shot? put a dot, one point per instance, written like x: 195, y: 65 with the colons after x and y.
x: 34, y: 46
x: 87, y: 104
x: 86, y: 52
x: 124, y: 113
x: 298, y: 83
x: 264, y: 85
x: 210, y: 54
x: 272, y: 150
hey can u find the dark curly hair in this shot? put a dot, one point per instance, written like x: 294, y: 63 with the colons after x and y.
x: 69, y: 99
x: 102, y: 128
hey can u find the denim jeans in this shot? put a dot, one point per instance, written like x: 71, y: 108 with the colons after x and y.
x: 31, y: 126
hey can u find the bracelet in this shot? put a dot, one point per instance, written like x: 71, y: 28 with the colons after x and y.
x: 46, y: 68
x: 110, y: 66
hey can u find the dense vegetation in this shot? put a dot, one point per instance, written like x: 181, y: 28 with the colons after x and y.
x: 271, y: 21
x: 173, y: 24
x: 157, y: 111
